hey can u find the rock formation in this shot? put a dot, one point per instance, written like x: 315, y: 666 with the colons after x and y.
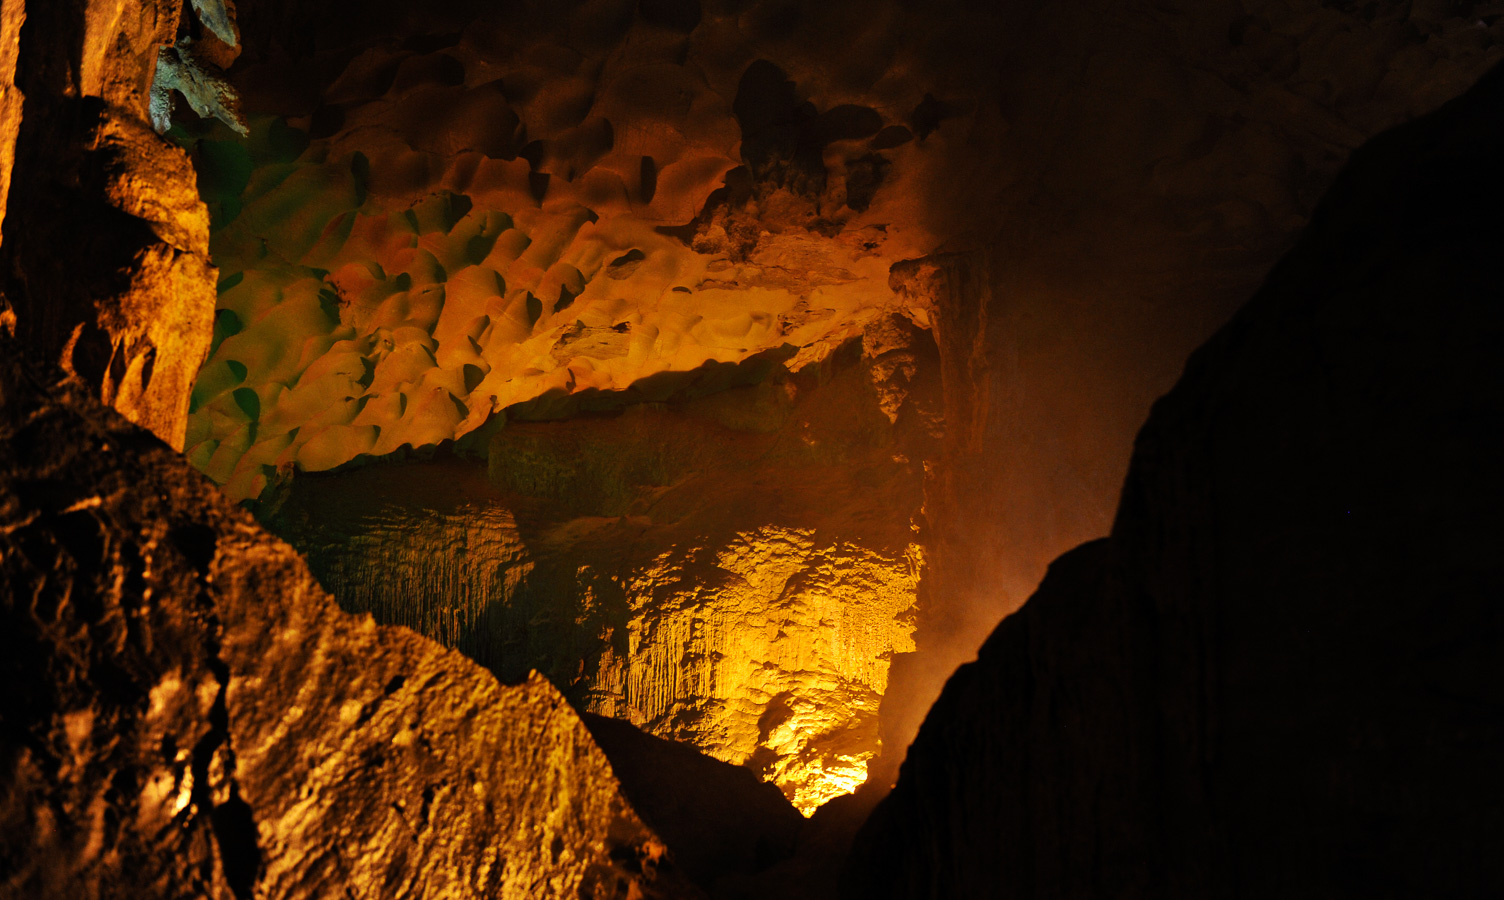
x: 188, y: 714
x: 1280, y: 674
x: 721, y: 821
x: 734, y: 571
x: 106, y: 242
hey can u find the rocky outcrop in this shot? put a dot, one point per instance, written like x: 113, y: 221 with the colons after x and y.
x: 186, y: 713
x: 1280, y: 675
x: 721, y: 821
x: 106, y: 243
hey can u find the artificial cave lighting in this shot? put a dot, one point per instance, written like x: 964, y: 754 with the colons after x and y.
x: 627, y: 558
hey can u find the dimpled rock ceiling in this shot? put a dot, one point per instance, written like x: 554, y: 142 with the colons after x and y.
x: 486, y: 226
x: 499, y: 229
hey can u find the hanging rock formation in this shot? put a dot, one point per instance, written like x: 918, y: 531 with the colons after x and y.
x: 1280, y: 676
x: 451, y: 225
x: 188, y: 714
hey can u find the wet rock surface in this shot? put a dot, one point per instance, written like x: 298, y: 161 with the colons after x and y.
x: 1280, y: 674
x: 187, y: 713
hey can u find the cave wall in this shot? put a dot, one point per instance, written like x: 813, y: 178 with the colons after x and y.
x: 733, y: 571
x: 187, y: 713
x: 1280, y: 674
x: 433, y: 236
x: 1087, y: 191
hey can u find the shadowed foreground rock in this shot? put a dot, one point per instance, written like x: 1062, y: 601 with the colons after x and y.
x: 721, y: 821
x: 1281, y: 675
x: 186, y: 713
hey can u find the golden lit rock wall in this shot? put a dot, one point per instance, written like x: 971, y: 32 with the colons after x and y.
x: 12, y: 15
x: 734, y: 572
x: 779, y: 663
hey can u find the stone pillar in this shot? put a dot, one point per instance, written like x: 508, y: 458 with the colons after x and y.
x: 105, y: 253
x: 12, y: 15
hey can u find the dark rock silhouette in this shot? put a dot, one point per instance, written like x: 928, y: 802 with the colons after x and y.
x: 1281, y: 675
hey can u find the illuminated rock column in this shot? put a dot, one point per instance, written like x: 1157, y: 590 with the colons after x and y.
x: 124, y: 304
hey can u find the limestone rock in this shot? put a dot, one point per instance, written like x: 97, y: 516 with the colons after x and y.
x: 181, y: 71
x: 105, y: 239
x: 735, y: 572
x: 218, y: 18
x: 189, y: 714
x: 1280, y: 675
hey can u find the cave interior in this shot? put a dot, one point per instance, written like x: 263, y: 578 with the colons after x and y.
x: 751, y: 448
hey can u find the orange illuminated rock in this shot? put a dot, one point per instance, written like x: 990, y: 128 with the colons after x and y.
x: 508, y: 216
x: 106, y: 239
x: 734, y: 572
x: 12, y: 16
x: 190, y: 714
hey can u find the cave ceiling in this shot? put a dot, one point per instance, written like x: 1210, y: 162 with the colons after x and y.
x: 456, y: 224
